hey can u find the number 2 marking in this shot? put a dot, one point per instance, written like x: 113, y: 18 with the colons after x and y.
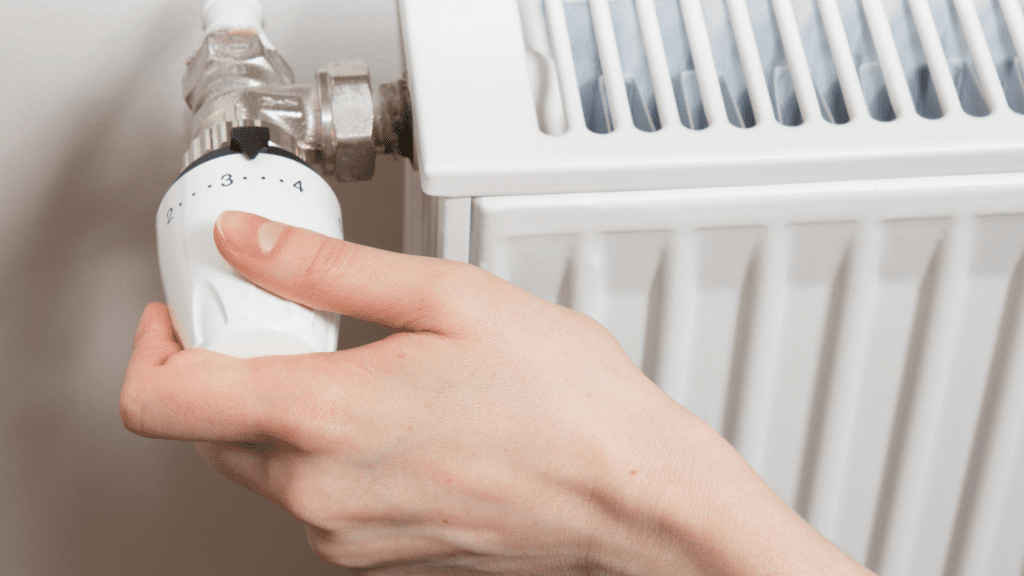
x: 169, y: 217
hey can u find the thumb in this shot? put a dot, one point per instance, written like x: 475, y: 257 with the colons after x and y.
x: 403, y: 292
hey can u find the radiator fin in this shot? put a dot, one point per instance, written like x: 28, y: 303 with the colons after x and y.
x: 818, y: 268
x: 915, y: 444
x: 993, y: 490
x: 702, y: 68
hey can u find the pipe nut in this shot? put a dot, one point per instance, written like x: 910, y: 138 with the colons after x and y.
x: 346, y: 109
x: 231, y: 61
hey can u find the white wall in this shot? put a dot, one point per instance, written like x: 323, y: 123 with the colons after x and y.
x: 91, y: 119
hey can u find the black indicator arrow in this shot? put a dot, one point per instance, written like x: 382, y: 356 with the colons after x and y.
x: 250, y: 140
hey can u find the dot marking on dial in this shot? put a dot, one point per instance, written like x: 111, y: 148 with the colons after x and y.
x: 227, y: 181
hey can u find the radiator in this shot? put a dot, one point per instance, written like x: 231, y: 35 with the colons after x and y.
x: 803, y: 220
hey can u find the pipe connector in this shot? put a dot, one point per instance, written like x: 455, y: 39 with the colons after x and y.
x: 230, y: 61
x: 346, y: 120
x: 236, y: 80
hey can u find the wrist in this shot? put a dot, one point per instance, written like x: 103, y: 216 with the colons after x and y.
x: 676, y: 498
x: 653, y: 496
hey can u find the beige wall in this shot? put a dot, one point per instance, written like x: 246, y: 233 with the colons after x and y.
x: 91, y: 119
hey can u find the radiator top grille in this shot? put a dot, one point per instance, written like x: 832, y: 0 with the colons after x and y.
x: 819, y: 62
x: 534, y: 96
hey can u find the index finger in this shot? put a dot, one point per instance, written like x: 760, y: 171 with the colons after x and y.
x: 195, y: 395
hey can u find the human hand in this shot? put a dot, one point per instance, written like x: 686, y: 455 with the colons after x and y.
x: 493, y: 432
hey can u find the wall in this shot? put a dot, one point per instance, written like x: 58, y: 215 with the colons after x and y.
x: 91, y: 119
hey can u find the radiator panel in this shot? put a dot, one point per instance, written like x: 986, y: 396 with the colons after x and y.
x: 857, y: 343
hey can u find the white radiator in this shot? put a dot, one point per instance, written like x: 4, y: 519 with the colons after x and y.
x: 803, y: 220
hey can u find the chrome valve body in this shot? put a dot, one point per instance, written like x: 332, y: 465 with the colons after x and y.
x: 233, y: 80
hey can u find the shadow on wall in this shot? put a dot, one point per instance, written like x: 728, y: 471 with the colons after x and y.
x: 82, y: 495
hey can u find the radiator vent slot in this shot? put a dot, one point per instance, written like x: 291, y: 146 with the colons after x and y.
x: 645, y: 64
x: 1001, y: 45
x: 864, y: 58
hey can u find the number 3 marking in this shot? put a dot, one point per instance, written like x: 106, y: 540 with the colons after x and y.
x: 227, y: 180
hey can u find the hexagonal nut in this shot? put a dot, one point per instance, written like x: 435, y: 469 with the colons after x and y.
x: 347, y: 116
x: 231, y: 60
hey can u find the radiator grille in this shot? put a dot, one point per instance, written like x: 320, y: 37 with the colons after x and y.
x: 861, y: 347
x: 576, y: 95
x: 647, y: 63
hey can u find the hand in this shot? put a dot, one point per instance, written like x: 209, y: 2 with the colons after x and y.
x: 493, y: 432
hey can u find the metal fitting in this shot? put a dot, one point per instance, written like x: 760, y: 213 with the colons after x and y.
x: 392, y: 121
x: 282, y: 109
x: 346, y: 118
x: 231, y: 61
x: 234, y: 80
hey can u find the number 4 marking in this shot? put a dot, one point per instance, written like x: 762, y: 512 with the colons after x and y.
x: 298, y: 185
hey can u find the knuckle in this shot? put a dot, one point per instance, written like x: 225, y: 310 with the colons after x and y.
x: 326, y: 527
x: 305, y: 499
x: 592, y: 326
x: 598, y: 333
x: 352, y: 557
x: 356, y: 557
x: 589, y: 333
x: 131, y: 415
x: 131, y: 406
x: 330, y: 546
x: 321, y: 542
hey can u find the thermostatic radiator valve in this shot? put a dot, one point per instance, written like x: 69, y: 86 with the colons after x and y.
x: 254, y: 134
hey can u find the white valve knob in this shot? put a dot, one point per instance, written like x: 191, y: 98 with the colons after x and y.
x: 213, y: 306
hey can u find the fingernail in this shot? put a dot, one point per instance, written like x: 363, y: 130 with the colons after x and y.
x: 268, y: 235
x: 248, y: 233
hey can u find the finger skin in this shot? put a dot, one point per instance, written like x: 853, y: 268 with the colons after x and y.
x: 154, y: 343
x: 200, y: 395
x: 243, y: 464
x: 156, y: 331
x: 195, y: 394
x: 203, y: 396
x: 400, y: 291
